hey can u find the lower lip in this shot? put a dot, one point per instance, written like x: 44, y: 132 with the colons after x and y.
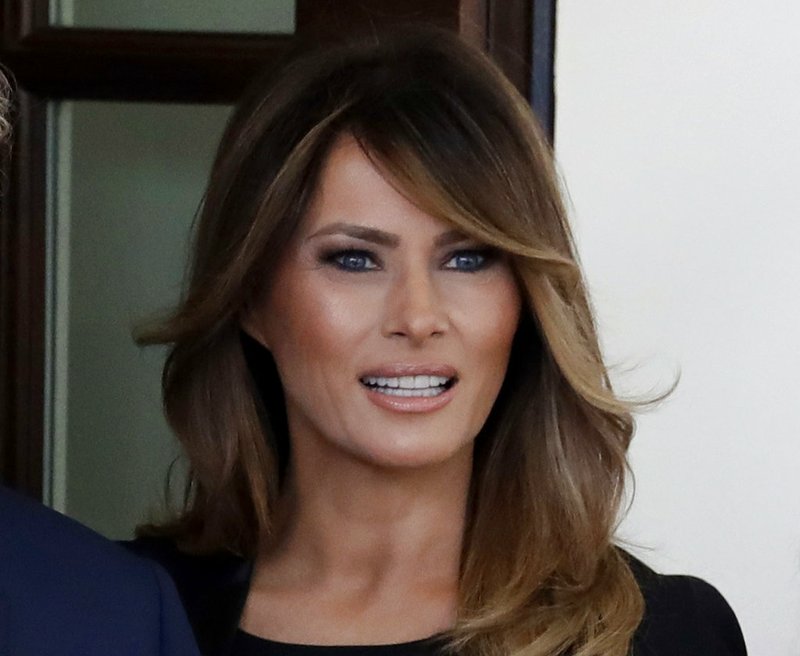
x: 410, y: 403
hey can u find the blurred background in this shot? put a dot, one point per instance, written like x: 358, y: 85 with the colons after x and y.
x: 675, y: 126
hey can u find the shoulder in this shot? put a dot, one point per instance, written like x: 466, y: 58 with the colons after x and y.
x: 212, y: 587
x: 41, y: 537
x: 684, y: 616
x: 194, y: 574
x: 56, y: 573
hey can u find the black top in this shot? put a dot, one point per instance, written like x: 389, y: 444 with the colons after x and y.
x: 684, y: 616
x: 245, y: 644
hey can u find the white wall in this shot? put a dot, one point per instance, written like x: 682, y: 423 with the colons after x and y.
x: 678, y: 134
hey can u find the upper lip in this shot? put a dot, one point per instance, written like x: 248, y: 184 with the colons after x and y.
x: 405, y: 369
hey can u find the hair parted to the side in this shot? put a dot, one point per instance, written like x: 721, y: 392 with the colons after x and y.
x: 540, y: 574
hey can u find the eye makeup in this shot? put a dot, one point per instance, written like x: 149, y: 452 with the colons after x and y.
x: 358, y: 260
x: 471, y: 260
x: 354, y: 260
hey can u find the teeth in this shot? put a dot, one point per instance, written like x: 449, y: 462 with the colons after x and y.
x: 421, y: 382
x: 428, y: 391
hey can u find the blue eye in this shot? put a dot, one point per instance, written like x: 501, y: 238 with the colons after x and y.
x: 352, y: 260
x: 469, y: 261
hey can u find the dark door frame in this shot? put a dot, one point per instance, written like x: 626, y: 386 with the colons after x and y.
x: 55, y: 63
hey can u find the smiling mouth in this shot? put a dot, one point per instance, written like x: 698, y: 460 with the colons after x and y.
x: 409, y: 386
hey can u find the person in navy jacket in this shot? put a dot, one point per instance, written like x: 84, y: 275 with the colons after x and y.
x: 66, y: 590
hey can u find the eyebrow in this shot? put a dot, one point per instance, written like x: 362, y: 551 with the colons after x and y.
x: 381, y: 237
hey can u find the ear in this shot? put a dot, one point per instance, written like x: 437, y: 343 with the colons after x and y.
x: 249, y: 321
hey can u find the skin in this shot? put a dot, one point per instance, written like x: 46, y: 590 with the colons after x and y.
x: 370, y: 525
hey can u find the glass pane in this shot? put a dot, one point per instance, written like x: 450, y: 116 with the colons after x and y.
x: 271, y: 16
x: 126, y: 182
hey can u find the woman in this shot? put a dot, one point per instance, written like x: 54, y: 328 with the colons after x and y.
x: 386, y: 377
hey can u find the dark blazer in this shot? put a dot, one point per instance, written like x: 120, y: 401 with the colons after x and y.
x: 64, y: 590
x: 684, y: 616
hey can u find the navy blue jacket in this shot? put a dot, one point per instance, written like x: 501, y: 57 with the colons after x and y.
x: 65, y: 590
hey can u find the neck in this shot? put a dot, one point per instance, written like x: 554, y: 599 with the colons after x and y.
x: 360, y: 553
x: 343, y: 518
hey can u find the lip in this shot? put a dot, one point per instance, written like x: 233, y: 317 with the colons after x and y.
x: 406, y: 369
x: 409, y: 404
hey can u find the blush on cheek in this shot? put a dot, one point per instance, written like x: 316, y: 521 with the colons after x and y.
x: 493, y: 314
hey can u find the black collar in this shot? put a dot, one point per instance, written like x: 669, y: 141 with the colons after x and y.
x: 683, y: 615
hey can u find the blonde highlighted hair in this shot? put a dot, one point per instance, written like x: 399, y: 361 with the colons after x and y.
x: 540, y: 575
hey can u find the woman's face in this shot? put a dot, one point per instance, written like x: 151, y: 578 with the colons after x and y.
x: 390, y: 331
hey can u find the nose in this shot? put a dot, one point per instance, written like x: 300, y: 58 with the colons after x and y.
x: 415, y: 310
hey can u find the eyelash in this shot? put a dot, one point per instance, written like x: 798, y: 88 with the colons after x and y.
x: 337, y: 259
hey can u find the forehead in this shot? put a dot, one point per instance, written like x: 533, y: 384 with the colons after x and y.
x: 352, y: 189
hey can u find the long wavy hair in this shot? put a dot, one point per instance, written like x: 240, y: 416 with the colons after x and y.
x: 540, y: 575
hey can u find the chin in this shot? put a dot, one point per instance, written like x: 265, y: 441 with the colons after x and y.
x: 407, y: 454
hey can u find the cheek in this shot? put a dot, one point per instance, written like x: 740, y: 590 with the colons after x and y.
x: 488, y: 327
x: 488, y: 316
x: 314, y: 326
